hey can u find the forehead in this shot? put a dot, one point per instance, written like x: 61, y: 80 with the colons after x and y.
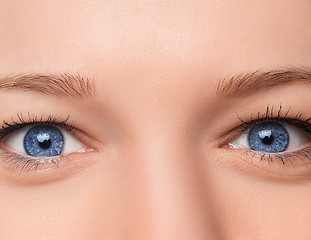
x: 163, y: 37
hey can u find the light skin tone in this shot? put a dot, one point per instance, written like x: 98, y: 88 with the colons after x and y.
x: 150, y: 100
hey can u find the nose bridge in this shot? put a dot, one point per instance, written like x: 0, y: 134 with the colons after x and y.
x: 166, y: 195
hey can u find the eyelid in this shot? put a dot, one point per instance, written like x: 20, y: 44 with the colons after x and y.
x: 63, y: 167
x: 295, y: 163
x: 11, y: 160
x: 16, y: 167
x: 248, y: 162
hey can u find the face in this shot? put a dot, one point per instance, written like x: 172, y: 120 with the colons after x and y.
x: 155, y: 119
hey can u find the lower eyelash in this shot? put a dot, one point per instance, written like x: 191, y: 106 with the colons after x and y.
x: 277, y: 115
x: 284, y: 158
x: 16, y: 162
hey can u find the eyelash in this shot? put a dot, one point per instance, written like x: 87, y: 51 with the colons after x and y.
x: 15, y: 161
x: 269, y: 115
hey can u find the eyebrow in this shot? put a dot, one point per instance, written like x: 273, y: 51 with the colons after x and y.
x: 249, y: 83
x: 59, y: 85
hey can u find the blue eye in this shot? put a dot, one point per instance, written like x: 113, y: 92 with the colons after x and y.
x: 271, y: 137
x: 44, y: 141
x: 268, y: 137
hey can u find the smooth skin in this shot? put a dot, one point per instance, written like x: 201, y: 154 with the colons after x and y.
x: 157, y: 164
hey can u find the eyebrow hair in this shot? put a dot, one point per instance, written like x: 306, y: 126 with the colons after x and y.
x: 249, y: 83
x: 59, y: 85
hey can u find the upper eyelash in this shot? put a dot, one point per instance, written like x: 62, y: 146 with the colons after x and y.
x: 271, y: 115
x: 20, y: 122
x: 24, y: 163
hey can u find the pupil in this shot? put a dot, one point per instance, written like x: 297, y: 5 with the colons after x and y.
x: 45, y: 144
x: 267, y: 140
x: 44, y: 140
x: 266, y: 137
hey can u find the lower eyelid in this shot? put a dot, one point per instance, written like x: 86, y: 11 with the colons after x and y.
x: 294, y: 164
x: 12, y: 167
x: 12, y: 161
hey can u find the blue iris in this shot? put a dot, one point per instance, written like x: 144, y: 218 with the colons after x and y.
x: 269, y: 137
x: 44, y: 141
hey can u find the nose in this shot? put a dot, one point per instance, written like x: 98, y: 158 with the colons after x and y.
x: 167, y: 197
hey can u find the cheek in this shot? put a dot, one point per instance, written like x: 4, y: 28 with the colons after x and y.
x: 257, y: 209
x: 85, y: 206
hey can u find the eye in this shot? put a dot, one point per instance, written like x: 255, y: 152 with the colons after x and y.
x: 42, y: 141
x: 271, y: 137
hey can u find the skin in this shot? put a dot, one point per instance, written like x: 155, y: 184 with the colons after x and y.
x: 157, y: 163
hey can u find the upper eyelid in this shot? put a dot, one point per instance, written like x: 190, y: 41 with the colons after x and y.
x: 276, y: 114
x: 290, y: 121
x: 271, y: 113
x: 20, y: 122
x: 280, y: 113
